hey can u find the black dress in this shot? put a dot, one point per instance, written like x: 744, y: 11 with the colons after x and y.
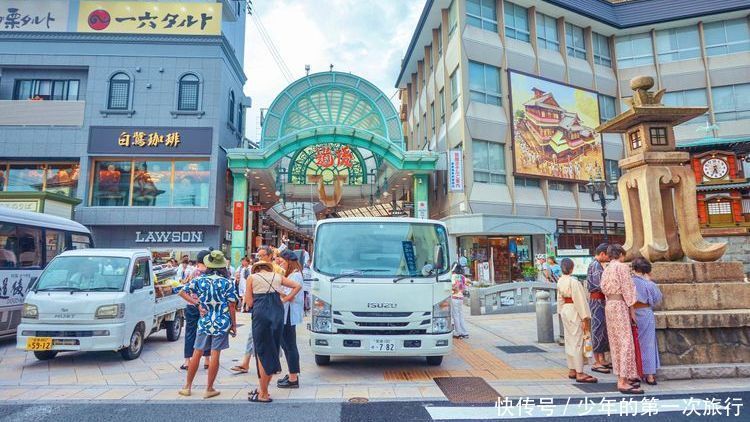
x: 268, y: 328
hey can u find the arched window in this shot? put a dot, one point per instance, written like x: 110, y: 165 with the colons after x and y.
x: 188, y: 93
x: 231, y: 107
x: 119, y: 92
x: 240, y: 117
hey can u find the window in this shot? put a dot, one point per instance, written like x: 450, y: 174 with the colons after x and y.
x: 46, y: 89
x: 54, y: 243
x: 484, y: 83
x: 717, y: 207
x: 25, y: 178
x: 612, y: 170
x: 546, y: 32
x: 726, y: 37
x: 602, y: 54
x: 231, y: 108
x: 634, y: 50
x: 635, y: 140
x: 731, y: 102
x: 442, y: 106
x: 482, y: 14
x: 20, y: 247
x: 452, y: 18
x: 561, y: 186
x: 432, y: 113
x: 187, y: 97
x: 526, y: 182
x: 488, y: 162
x: 119, y: 92
x: 141, y: 272
x: 607, y: 108
x: 166, y: 183
x: 240, y: 117
x: 61, y: 178
x: 690, y: 97
x: 424, y: 127
x: 678, y: 44
x: 454, y: 90
x: 658, y: 135
x: 440, y: 41
x: 575, y: 41
x: 516, y: 22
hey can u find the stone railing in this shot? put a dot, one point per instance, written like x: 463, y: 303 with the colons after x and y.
x: 509, y: 298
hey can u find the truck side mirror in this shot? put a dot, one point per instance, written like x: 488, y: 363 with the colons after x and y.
x: 136, y: 284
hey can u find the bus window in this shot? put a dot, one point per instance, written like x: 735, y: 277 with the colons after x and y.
x: 8, y: 242
x: 29, y: 253
x: 80, y: 241
x: 55, y: 241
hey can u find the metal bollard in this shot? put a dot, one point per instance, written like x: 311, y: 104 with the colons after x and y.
x: 544, y: 328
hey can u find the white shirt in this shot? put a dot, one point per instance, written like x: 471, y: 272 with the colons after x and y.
x: 183, y: 272
x: 297, y: 306
x: 242, y: 279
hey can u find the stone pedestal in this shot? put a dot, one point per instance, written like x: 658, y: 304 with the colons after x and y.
x: 703, y: 324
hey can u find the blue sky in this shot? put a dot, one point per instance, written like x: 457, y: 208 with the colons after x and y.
x: 365, y: 37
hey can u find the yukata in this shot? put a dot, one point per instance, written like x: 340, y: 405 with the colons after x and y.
x: 647, y: 293
x: 573, y: 308
x: 619, y: 288
x: 599, y: 339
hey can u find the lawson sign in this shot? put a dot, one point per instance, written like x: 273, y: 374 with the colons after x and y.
x: 169, y: 237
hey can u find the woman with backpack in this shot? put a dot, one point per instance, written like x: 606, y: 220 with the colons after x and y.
x: 459, y: 283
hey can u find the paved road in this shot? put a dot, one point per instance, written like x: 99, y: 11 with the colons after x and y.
x: 404, y: 411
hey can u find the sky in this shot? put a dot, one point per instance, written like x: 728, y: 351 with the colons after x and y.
x: 365, y: 37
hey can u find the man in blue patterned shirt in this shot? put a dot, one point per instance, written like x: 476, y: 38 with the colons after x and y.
x: 217, y: 298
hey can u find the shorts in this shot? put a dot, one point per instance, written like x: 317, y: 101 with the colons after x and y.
x: 205, y: 341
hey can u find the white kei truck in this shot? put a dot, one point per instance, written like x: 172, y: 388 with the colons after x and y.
x: 97, y: 300
x: 381, y: 287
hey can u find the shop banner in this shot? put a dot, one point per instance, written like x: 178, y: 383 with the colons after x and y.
x: 456, y: 170
x: 139, y: 17
x: 149, y: 140
x: 239, y: 216
x: 34, y: 16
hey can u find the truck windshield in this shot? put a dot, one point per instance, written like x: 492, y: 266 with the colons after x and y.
x: 84, y: 273
x: 381, y: 249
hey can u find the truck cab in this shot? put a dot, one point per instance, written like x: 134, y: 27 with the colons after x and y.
x: 94, y: 300
x: 381, y: 287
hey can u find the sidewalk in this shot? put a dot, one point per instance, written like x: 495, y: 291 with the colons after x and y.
x: 156, y: 375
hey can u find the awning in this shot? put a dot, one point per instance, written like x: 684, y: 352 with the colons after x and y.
x: 722, y: 186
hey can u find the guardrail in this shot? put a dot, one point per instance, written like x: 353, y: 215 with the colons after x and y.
x: 509, y: 298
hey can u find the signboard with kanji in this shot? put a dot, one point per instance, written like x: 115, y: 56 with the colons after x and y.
x: 238, y: 217
x: 34, y: 16
x: 140, y: 17
x: 150, y: 140
x: 456, y: 170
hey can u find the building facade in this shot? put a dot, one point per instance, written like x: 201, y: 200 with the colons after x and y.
x: 513, y: 87
x: 129, y: 107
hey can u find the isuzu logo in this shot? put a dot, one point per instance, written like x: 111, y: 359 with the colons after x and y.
x: 381, y: 305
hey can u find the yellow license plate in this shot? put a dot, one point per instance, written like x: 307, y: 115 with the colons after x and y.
x: 39, y: 343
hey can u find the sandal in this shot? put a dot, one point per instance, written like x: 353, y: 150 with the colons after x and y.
x: 183, y: 367
x: 608, y: 365
x: 651, y: 382
x: 631, y: 390
x: 205, y: 366
x: 587, y: 379
x: 238, y: 370
x: 601, y: 369
x: 212, y: 393
x: 256, y: 399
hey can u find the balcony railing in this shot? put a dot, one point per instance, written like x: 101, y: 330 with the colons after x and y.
x: 41, y: 113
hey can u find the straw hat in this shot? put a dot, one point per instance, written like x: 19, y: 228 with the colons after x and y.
x: 259, y: 264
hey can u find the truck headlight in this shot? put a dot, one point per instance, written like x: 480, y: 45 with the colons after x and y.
x: 321, y: 316
x: 110, y: 311
x: 441, y: 317
x: 30, y: 311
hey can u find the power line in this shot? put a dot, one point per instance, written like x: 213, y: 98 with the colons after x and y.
x: 272, y: 49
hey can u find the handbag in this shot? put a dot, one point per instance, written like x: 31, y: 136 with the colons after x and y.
x: 637, y: 346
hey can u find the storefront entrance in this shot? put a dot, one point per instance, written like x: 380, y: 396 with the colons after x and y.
x: 500, y: 259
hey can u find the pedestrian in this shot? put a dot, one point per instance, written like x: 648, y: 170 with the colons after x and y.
x: 218, y: 297
x: 573, y: 306
x: 552, y: 271
x: 184, y: 269
x: 306, y: 276
x: 599, y: 339
x: 265, y: 298
x: 192, y: 313
x: 458, y: 282
x: 293, y: 314
x: 619, y: 289
x: 648, y: 295
x: 266, y: 254
x: 240, y: 280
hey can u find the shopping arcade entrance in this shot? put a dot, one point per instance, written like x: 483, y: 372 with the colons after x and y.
x: 331, y: 144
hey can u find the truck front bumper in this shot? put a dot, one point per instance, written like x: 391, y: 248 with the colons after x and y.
x: 78, y: 337
x: 360, y: 345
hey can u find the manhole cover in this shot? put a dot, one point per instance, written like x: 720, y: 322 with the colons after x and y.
x: 467, y: 390
x: 358, y: 400
x: 521, y: 349
x: 601, y: 387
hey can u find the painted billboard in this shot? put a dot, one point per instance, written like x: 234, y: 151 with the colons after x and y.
x: 135, y: 17
x: 553, y: 129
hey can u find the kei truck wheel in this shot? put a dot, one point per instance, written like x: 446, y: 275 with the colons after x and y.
x: 135, y: 347
x: 45, y: 355
x: 174, y: 328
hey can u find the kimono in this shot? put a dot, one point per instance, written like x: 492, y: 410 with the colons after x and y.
x: 599, y: 338
x: 572, y: 315
x: 616, y: 280
x: 647, y: 292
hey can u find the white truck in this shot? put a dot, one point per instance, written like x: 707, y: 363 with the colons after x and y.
x: 95, y: 300
x: 381, y: 287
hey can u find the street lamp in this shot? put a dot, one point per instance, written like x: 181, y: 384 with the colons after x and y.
x: 603, y: 192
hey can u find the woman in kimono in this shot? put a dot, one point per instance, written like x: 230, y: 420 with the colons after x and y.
x: 647, y: 295
x: 573, y: 306
x: 618, y: 287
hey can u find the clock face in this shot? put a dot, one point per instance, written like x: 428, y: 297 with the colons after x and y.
x: 715, y: 168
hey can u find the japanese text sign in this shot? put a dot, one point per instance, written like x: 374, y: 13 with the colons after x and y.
x: 34, y: 16
x: 149, y: 140
x: 455, y: 170
x: 238, y: 220
x: 150, y: 17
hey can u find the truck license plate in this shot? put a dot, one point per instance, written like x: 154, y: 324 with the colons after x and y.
x: 382, y: 345
x: 39, y: 343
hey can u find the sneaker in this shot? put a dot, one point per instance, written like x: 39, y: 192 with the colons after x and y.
x: 285, y: 383
x: 282, y: 380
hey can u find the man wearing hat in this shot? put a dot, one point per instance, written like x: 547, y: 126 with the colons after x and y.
x: 217, y: 295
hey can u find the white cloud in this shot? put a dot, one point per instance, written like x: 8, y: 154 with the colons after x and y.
x: 365, y: 37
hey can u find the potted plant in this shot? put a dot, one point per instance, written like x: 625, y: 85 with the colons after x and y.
x: 529, y: 273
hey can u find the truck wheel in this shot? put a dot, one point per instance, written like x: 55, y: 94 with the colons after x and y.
x: 45, y: 355
x: 174, y: 329
x: 434, y: 360
x: 135, y: 347
x: 322, y: 360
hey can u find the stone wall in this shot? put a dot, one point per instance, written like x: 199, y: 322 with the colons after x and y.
x: 738, y: 249
x: 704, y: 345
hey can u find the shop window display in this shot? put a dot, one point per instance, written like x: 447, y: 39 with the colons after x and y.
x: 498, y: 259
x: 60, y: 178
x: 152, y: 184
x: 112, y: 183
x: 25, y: 177
x: 191, y: 183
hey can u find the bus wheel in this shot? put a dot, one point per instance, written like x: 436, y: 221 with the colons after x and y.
x: 322, y: 360
x: 45, y: 355
x: 434, y: 360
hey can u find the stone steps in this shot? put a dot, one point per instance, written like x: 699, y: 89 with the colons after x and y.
x: 725, y: 318
x: 705, y: 296
x: 697, y: 272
